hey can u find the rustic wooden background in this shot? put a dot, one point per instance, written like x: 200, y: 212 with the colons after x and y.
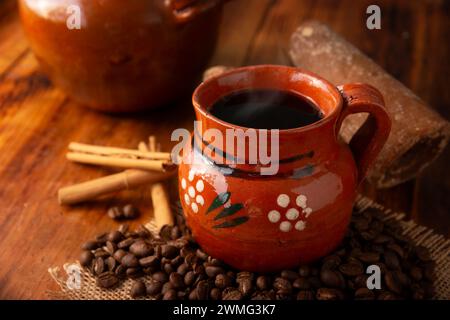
x: 37, y: 122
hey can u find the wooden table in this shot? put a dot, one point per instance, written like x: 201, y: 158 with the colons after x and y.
x: 38, y: 121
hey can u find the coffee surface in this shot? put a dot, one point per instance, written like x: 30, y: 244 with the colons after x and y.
x: 266, y: 109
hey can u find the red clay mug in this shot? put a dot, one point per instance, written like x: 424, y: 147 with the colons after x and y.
x: 265, y: 223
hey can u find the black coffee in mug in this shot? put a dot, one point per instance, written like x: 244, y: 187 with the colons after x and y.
x: 266, y: 109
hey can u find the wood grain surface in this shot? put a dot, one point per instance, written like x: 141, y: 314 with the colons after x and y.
x: 38, y: 121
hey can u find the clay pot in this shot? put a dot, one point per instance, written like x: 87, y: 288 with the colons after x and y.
x: 262, y: 222
x: 127, y: 55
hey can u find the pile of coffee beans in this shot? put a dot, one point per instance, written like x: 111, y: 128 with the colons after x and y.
x: 179, y: 269
x: 123, y: 213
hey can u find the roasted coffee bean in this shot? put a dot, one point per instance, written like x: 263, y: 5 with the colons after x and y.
x: 329, y: 294
x: 428, y: 271
x: 331, y: 262
x: 115, y: 236
x: 360, y: 281
x: 193, y: 294
x: 416, y: 273
x: 305, y: 295
x: 166, y: 287
x: 166, y: 232
x: 111, y: 247
x: 386, y: 295
x: 100, y: 253
x: 199, y: 269
x: 101, y: 238
x: 262, y: 283
x: 120, y: 271
x: 245, y: 281
x: 175, y: 233
x: 364, y: 294
x: 201, y: 254
x: 382, y: 239
x: 111, y: 263
x: 107, y: 280
x: 119, y: 254
x: 130, y: 212
x: 391, y: 260
x: 130, y: 261
x: 332, y: 278
x: 90, y: 245
x: 86, y: 258
x: 143, y: 232
x: 170, y: 295
x: 215, y: 294
x: 397, y: 249
x: 282, y: 284
x: 183, y: 269
x: 263, y: 295
x: 351, y: 269
x: 154, y: 287
x: 168, y: 268
x: 301, y: 283
x: 231, y: 294
x: 115, y: 213
x: 149, y: 262
x: 189, y: 278
x: 160, y: 276
x: 223, y: 281
x: 133, y: 272
x: 369, y: 257
x: 169, y: 251
x: 191, y: 259
x: 175, y: 262
x: 124, y: 244
x: 138, y: 289
x: 289, y: 275
x: 123, y: 228
x: 392, y: 282
x: 202, y: 290
x: 141, y: 249
x: 304, y: 270
x: 99, y: 266
x: 423, y: 254
x: 213, y: 271
x: 361, y: 224
x: 176, y: 280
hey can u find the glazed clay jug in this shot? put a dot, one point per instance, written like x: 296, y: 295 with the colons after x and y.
x: 126, y: 55
x: 269, y: 222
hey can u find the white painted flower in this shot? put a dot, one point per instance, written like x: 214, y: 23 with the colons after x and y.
x: 300, y: 225
x: 274, y: 216
x: 292, y: 214
x: 285, y: 226
x: 192, y: 191
x: 283, y: 200
x: 200, y: 185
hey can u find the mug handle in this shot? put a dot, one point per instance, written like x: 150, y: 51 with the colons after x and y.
x: 187, y: 10
x: 368, y: 141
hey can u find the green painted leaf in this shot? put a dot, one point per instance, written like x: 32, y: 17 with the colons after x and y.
x: 219, y: 201
x: 226, y: 212
x: 232, y: 223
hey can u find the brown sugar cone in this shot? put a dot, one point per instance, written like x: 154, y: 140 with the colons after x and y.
x: 418, y: 133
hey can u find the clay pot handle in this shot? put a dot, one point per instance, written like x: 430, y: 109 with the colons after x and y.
x: 187, y: 10
x: 368, y: 141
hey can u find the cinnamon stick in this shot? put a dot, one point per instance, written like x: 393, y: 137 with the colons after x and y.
x: 111, y: 161
x: 127, y: 179
x: 160, y: 197
x: 117, y: 152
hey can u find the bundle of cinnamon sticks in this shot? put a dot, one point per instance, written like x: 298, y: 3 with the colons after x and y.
x: 146, y: 165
